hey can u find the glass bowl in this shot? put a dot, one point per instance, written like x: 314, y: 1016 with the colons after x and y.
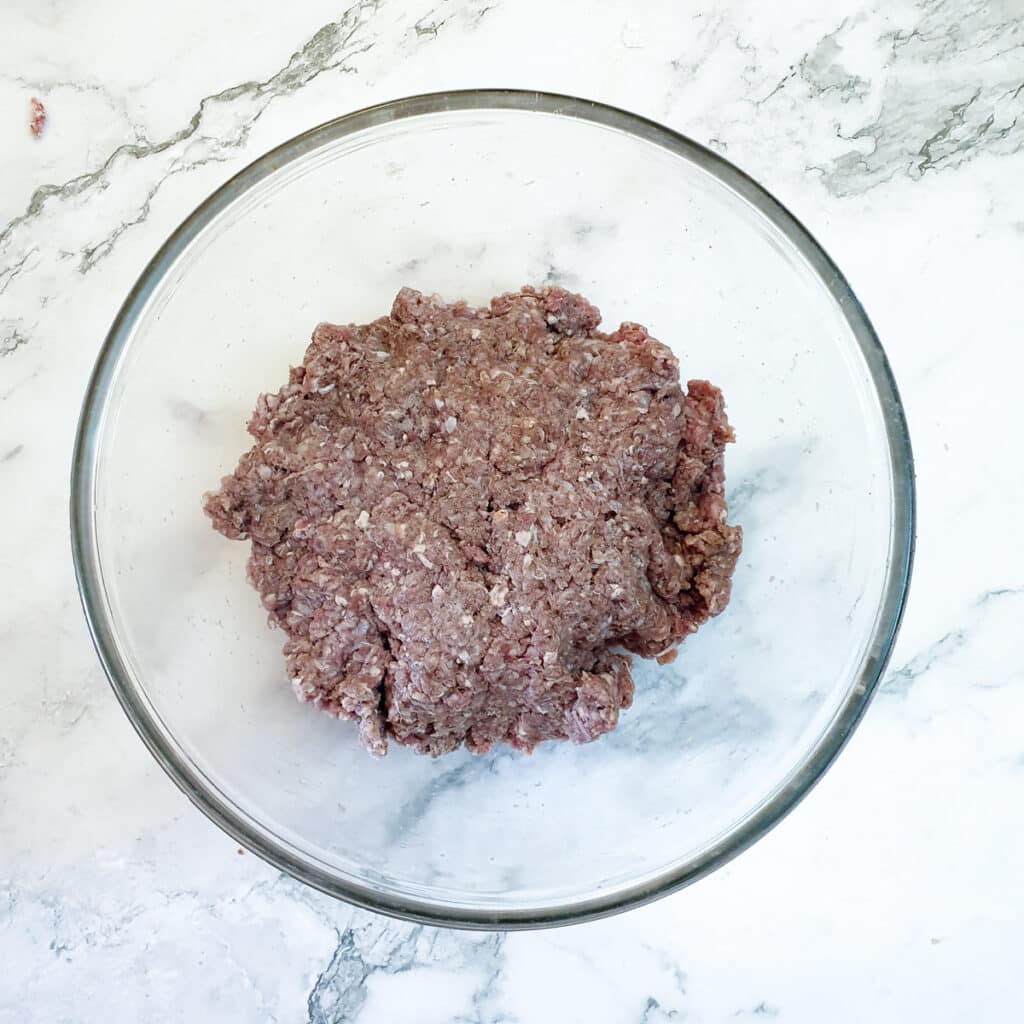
x: 470, y: 194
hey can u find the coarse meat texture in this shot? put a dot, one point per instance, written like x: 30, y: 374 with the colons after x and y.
x: 458, y: 515
x: 37, y: 118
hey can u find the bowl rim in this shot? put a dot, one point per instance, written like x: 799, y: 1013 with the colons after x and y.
x: 259, y: 840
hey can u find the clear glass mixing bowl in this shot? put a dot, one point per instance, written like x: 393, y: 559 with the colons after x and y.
x: 471, y: 194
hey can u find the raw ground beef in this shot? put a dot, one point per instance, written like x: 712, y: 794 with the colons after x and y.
x: 37, y: 119
x: 457, y: 514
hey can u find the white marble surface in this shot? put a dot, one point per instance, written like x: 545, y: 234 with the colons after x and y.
x: 895, y: 892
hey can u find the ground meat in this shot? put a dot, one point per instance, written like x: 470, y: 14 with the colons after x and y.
x: 37, y: 119
x: 460, y: 518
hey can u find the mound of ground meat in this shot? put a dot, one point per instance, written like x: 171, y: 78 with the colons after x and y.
x: 457, y: 516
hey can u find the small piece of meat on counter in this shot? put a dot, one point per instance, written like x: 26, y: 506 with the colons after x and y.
x: 37, y: 120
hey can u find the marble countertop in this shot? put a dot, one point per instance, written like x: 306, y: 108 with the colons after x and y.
x: 895, y: 891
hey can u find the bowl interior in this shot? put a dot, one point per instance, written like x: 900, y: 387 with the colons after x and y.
x: 470, y: 203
